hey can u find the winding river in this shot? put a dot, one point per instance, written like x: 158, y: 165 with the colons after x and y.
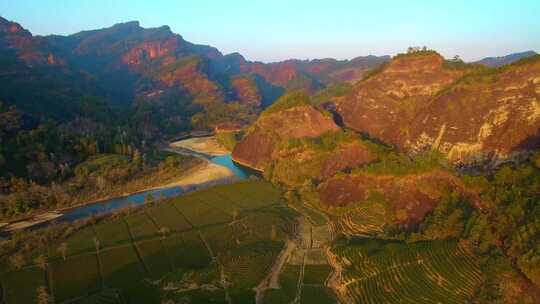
x: 137, y: 199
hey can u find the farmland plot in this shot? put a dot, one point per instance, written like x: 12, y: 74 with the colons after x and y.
x: 395, y: 272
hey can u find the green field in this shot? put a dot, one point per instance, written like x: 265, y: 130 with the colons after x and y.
x: 396, y: 272
x: 219, y: 244
x: 247, y: 266
x: 317, y: 294
x: 83, y: 274
x: 141, y: 226
x: 136, y: 261
x: 21, y: 286
x: 316, y: 274
x: 288, y: 283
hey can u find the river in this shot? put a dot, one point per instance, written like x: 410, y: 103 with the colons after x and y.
x: 137, y: 199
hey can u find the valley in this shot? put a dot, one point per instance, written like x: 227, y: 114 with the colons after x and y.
x: 213, y: 169
x: 137, y: 167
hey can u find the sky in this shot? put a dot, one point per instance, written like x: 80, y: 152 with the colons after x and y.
x: 275, y: 30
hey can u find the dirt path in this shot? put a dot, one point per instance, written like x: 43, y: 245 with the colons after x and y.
x: 272, y: 279
x: 308, y: 240
x: 300, y: 281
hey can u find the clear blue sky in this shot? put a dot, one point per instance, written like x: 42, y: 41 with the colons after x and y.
x: 274, y: 30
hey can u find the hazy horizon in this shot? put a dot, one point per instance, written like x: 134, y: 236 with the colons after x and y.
x: 306, y: 29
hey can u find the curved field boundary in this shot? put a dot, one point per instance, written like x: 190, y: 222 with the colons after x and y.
x: 395, y: 272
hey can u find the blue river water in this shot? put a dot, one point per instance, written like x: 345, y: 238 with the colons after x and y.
x: 137, y: 199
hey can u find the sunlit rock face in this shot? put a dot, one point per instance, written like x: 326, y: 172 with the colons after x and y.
x: 417, y: 102
x: 386, y: 103
x: 495, y: 114
x: 258, y: 147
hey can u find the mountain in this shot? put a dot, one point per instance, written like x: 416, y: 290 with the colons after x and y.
x: 421, y: 149
x: 312, y: 75
x: 395, y: 130
x: 419, y: 101
x: 127, y: 65
x: 129, y: 85
x: 504, y: 60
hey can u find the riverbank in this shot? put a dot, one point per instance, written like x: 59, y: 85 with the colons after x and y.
x: 204, y: 145
x: 204, y: 173
x: 209, y: 172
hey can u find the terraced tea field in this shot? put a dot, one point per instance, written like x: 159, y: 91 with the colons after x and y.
x: 367, y: 219
x: 375, y: 271
x: 210, y: 246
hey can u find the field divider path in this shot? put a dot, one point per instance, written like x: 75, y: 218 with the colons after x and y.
x: 99, y: 264
x: 203, y: 239
x: 272, y: 279
x: 221, y: 267
x: 137, y: 252
x: 300, y: 281
x: 100, y: 273
x: 223, y: 281
x: 183, y: 216
x: 152, y: 220
x: 49, y: 283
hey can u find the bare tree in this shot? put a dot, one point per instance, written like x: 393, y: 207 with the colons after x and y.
x: 63, y: 250
x: 41, y: 262
x: 43, y: 296
x: 16, y: 261
x: 149, y: 199
x: 235, y: 214
x: 96, y: 244
x: 164, y: 231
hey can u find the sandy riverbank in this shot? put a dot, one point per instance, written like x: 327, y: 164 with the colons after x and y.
x: 206, y: 145
x: 206, y: 172
x: 209, y: 172
x: 38, y: 219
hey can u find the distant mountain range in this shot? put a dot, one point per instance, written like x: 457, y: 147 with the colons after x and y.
x: 128, y: 62
x: 504, y: 60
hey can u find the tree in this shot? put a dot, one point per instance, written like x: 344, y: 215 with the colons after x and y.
x: 43, y: 296
x: 413, y: 49
x: 16, y: 261
x: 164, y: 231
x: 273, y: 234
x: 63, y: 249
x: 235, y: 214
x: 149, y: 198
x: 41, y: 262
x: 96, y: 244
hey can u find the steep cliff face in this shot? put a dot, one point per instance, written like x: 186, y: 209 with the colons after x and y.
x: 32, y: 51
x: 132, y: 62
x: 418, y: 102
x: 246, y: 90
x: 494, y: 112
x: 386, y: 103
x: 190, y: 74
